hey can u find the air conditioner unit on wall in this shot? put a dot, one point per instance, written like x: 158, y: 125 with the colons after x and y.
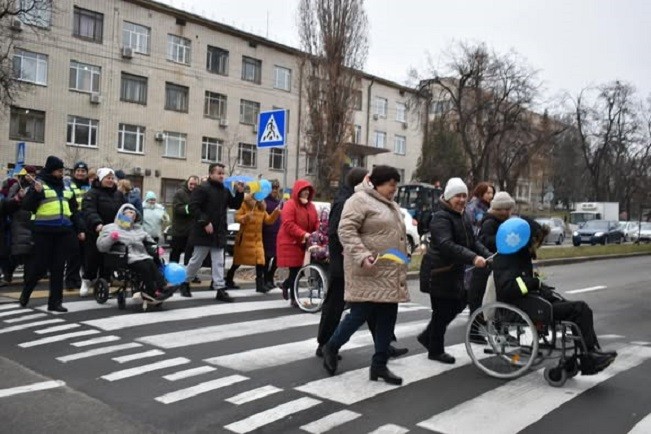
x: 405, y: 125
x: 137, y: 170
x: 255, y: 128
x: 375, y: 117
x: 16, y: 24
x: 127, y: 52
x: 223, y: 122
x: 95, y: 98
x: 159, y: 137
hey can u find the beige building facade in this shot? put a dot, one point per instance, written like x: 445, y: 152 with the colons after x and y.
x: 161, y: 93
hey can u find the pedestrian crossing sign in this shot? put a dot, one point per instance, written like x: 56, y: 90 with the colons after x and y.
x: 272, y: 129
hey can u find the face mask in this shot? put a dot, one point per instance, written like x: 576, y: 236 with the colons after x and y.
x: 303, y: 200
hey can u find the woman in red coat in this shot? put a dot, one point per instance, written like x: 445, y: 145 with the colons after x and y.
x: 299, y: 220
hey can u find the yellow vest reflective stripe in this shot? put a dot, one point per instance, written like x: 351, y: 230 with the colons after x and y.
x: 523, y: 286
x: 79, y: 194
x: 53, y: 208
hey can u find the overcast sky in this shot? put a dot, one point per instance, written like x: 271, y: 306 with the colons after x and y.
x: 573, y: 43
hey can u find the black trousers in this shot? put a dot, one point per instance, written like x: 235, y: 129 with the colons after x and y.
x: 50, y: 253
x: 581, y: 314
x: 74, y: 264
x: 94, y: 262
x: 230, y: 275
x: 270, y: 269
x: 149, y: 274
x: 180, y: 245
x: 289, y: 282
x: 444, y: 310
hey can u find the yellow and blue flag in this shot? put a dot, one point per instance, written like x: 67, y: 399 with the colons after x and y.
x: 394, y: 255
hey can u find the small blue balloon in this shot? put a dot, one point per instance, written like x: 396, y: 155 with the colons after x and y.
x: 174, y: 273
x: 265, y: 190
x: 512, y: 236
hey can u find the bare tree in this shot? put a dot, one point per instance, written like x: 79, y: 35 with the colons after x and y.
x: 16, y: 17
x: 230, y: 149
x: 333, y: 35
x: 442, y: 155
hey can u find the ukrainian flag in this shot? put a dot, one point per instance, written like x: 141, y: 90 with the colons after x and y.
x: 395, y: 255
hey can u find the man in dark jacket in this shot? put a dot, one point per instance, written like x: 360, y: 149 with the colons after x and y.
x: 8, y: 207
x: 515, y: 280
x: 182, y: 220
x: 269, y: 235
x: 208, y: 205
x: 54, y: 227
x: 79, y: 186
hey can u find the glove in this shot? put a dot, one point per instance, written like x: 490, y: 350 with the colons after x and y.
x: 115, y: 235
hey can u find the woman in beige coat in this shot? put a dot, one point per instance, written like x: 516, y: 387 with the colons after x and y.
x: 371, y: 223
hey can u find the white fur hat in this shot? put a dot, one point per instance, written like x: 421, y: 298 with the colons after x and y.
x: 453, y: 187
x: 104, y: 172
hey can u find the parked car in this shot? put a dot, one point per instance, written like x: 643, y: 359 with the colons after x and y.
x: 556, y: 230
x: 644, y: 233
x: 598, y: 232
x: 412, y: 230
x: 233, y: 229
x: 630, y: 230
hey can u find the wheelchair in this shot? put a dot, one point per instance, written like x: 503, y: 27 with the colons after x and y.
x: 130, y: 283
x: 311, y: 286
x: 506, y: 341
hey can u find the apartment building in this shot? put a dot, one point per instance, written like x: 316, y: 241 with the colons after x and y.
x: 161, y: 93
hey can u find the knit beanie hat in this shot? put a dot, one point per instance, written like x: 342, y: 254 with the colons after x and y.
x: 104, y: 172
x: 150, y: 195
x: 502, y: 200
x: 119, y: 174
x: 80, y: 165
x: 453, y: 187
x: 52, y: 163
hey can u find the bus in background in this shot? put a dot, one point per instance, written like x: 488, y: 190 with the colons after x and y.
x: 421, y: 200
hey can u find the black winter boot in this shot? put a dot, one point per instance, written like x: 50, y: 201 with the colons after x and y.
x: 260, y: 286
x: 222, y: 295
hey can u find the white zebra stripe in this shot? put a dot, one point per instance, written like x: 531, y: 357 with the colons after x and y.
x: 95, y: 341
x: 98, y: 351
x: 642, y: 427
x: 15, y: 312
x: 57, y: 328
x: 9, y: 306
x: 330, y: 421
x: 30, y: 325
x: 57, y: 338
x: 187, y: 373
x: 44, y: 385
x: 252, y: 395
x: 200, y: 388
x: 271, y: 415
x: 144, y: 369
x: 25, y: 318
x: 138, y: 356
x: 390, y: 429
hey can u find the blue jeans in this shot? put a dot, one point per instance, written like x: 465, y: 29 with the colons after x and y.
x: 385, y: 314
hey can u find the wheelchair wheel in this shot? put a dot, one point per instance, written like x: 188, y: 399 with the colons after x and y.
x: 555, y: 377
x: 501, y: 340
x: 101, y: 290
x: 310, y: 288
x: 122, y: 302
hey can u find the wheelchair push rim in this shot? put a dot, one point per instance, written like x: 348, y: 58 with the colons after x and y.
x: 501, y: 340
x: 310, y: 288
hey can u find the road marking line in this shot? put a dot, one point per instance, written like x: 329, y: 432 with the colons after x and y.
x: 590, y: 289
x: 187, y: 373
x: 138, y: 356
x: 266, y: 417
x: 200, y: 388
x: 330, y: 421
x: 25, y: 318
x: 102, y: 340
x: 530, y: 394
x: 57, y: 338
x: 9, y: 306
x: 15, y: 312
x: 353, y: 386
x: 276, y: 355
x: 610, y: 337
x: 390, y: 429
x: 98, y: 352
x: 643, y: 426
x: 252, y: 395
x: 144, y: 369
x: 45, y: 385
x: 57, y: 328
x: 29, y: 325
x: 641, y: 343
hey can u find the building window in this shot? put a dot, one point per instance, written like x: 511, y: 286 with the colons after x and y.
x: 131, y: 138
x: 251, y: 69
x: 27, y: 124
x: 36, y: 13
x: 215, y: 105
x: 211, y: 150
x: 357, y: 100
x: 310, y: 165
x: 282, y: 78
x: 175, y: 144
x: 88, y: 25
x: 168, y: 188
x: 379, y: 139
x: 30, y: 67
x: 82, y: 131
x: 133, y: 88
x: 277, y: 158
x: 440, y: 107
x: 136, y: 37
x: 249, y: 111
x: 83, y: 77
x: 400, y: 145
x: 358, y: 134
x: 217, y: 61
x: 401, y: 112
x: 176, y: 97
x: 178, y: 49
x: 246, y: 155
x: 380, y: 107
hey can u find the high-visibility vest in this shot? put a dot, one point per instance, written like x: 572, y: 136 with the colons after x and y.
x: 53, y: 209
x: 79, y: 192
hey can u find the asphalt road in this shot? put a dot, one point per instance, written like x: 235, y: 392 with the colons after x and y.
x: 200, y: 366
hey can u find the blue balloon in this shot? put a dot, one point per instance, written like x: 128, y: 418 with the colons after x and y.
x: 265, y: 190
x: 174, y: 273
x: 228, y: 182
x: 512, y: 235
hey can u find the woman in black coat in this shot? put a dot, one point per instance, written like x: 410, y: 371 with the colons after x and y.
x: 100, y: 205
x: 452, y: 247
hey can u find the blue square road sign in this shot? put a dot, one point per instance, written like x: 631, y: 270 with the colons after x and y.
x: 272, y: 129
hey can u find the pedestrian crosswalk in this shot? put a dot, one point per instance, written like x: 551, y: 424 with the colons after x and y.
x: 253, y: 360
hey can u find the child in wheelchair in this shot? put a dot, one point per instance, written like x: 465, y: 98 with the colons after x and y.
x: 317, y: 243
x: 515, y: 279
x: 142, y: 251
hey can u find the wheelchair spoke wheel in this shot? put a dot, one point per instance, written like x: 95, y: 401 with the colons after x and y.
x: 501, y: 340
x: 101, y: 290
x: 310, y: 288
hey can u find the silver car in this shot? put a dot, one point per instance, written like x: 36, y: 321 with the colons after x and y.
x: 556, y: 230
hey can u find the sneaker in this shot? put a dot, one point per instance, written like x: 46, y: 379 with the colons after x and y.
x: 86, y: 288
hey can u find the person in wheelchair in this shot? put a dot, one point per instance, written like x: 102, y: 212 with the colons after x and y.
x: 142, y: 250
x: 515, y: 280
x: 317, y: 243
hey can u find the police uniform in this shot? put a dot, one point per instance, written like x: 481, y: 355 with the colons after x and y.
x: 74, y: 263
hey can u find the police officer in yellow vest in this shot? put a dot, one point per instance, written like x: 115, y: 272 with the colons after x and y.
x: 79, y: 185
x: 55, y: 224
